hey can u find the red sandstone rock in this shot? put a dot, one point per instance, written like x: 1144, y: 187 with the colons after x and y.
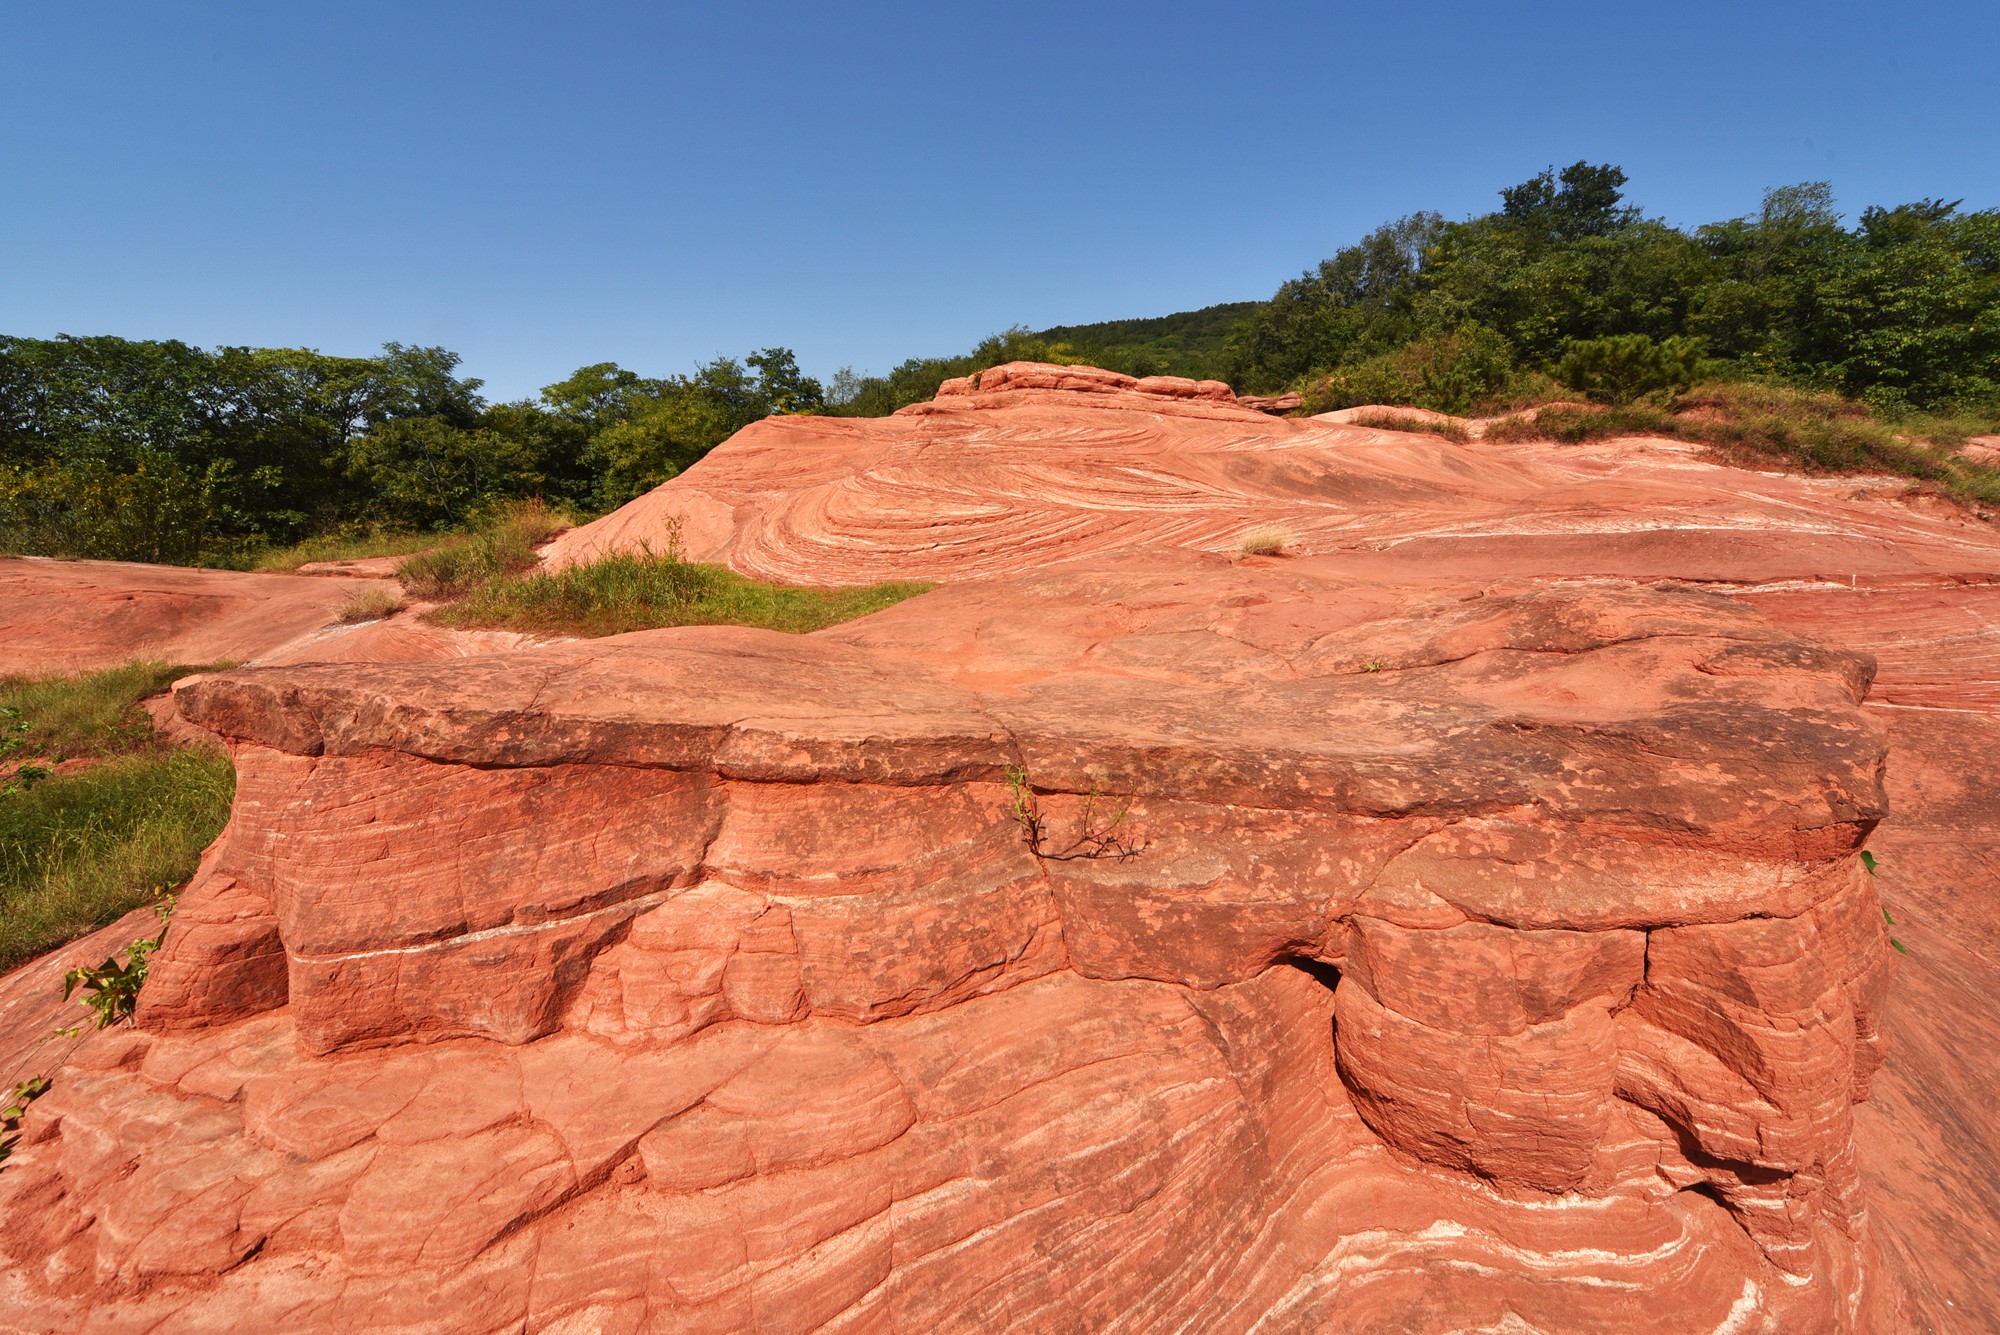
x: 764, y: 994
x: 1278, y: 404
x: 1492, y: 951
x: 1039, y: 464
x: 67, y: 616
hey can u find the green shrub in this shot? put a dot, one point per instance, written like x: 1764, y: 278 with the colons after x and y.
x: 1453, y: 372
x: 1622, y: 368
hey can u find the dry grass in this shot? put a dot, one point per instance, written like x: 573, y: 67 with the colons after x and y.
x: 351, y: 546
x: 1761, y: 426
x: 1449, y: 428
x: 1265, y: 540
x: 372, y: 604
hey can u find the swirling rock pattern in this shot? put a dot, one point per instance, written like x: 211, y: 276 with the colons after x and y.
x: 1436, y: 930
x: 1042, y: 464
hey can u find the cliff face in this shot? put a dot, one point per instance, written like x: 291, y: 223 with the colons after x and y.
x: 1389, y: 938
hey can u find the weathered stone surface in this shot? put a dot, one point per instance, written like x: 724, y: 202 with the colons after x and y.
x: 78, y: 616
x: 68, y: 616
x: 1457, y: 935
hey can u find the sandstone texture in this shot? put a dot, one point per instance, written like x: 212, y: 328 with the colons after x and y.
x: 78, y: 616
x: 73, y: 616
x: 1456, y: 924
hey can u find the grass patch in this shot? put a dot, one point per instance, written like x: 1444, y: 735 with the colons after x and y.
x: 1393, y: 421
x: 1572, y: 425
x: 78, y: 851
x: 647, y: 591
x: 345, y: 547
x: 369, y: 605
x: 462, y: 564
x: 90, y: 714
x: 1757, y: 426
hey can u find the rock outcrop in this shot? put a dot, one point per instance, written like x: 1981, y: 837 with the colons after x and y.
x: 1452, y: 927
x: 71, y: 616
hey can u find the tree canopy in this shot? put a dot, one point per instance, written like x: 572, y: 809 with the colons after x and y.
x: 160, y: 451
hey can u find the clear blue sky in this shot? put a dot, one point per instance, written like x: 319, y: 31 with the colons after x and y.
x: 539, y: 186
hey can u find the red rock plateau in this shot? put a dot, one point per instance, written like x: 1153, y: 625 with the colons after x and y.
x: 74, y: 616
x: 1454, y: 923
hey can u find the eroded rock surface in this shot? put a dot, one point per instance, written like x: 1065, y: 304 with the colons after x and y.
x: 71, y: 616
x: 79, y: 616
x: 1437, y: 931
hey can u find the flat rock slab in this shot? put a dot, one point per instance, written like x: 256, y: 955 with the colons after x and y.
x: 76, y: 616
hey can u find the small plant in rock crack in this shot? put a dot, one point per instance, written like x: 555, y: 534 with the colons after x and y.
x: 1868, y: 861
x: 24, y: 1094
x: 1098, y: 834
x: 111, y: 990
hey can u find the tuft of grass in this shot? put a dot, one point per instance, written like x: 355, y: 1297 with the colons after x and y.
x: 347, y: 546
x: 1449, y: 428
x: 78, y: 851
x: 1265, y: 540
x: 89, y: 714
x: 1758, y: 426
x: 1572, y: 424
x: 462, y: 564
x: 646, y: 591
x: 370, y: 605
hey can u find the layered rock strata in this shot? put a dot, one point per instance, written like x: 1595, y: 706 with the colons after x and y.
x: 1152, y: 943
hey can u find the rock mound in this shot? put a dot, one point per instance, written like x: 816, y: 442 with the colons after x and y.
x: 1455, y: 926
x: 711, y: 978
x: 1042, y: 464
x: 75, y: 616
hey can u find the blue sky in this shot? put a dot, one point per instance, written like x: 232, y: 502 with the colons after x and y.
x: 541, y: 186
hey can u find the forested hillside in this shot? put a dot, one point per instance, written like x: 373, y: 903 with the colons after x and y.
x: 160, y: 451
x: 1901, y: 310
x: 1191, y: 343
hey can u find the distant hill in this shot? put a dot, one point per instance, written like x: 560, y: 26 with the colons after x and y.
x: 1186, y: 343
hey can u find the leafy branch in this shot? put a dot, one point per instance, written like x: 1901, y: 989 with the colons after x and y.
x: 24, y: 1094
x: 1868, y: 861
x: 1097, y: 834
x: 111, y: 990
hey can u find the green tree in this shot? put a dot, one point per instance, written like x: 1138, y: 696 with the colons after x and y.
x: 428, y: 471
x: 1621, y: 368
